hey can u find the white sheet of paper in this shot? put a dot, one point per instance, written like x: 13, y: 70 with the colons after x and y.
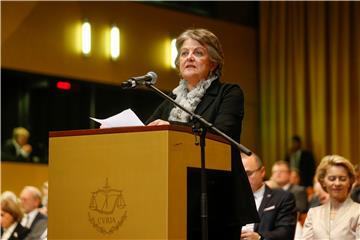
x: 126, y: 118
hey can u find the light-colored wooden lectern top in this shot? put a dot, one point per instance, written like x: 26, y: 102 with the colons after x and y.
x: 124, y: 183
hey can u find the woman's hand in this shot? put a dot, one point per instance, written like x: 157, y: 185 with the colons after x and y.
x: 158, y: 122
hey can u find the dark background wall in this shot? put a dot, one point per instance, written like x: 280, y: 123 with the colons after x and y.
x: 34, y: 101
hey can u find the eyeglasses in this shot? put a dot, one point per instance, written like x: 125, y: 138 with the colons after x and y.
x: 251, y: 172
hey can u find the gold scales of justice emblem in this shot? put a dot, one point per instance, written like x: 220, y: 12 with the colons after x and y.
x: 107, y: 209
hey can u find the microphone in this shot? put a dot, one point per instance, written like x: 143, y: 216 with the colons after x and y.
x: 149, y: 78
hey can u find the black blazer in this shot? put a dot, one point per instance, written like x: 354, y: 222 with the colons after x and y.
x: 19, y: 232
x: 277, y: 214
x: 223, y: 106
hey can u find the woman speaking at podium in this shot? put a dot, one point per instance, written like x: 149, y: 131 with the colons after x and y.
x: 199, y: 62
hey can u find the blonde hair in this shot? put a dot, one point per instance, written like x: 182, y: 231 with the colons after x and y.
x: 20, y: 131
x: 334, y: 160
x: 208, y: 40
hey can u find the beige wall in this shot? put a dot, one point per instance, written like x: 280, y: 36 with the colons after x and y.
x: 43, y: 37
x: 15, y: 176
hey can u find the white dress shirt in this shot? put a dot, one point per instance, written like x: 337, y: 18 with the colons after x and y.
x: 29, y: 218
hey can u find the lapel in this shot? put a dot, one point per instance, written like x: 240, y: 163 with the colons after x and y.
x: 17, y: 233
x: 264, y: 203
x: 209, y: 97
x: 325, y: 216
x: 37, y: 217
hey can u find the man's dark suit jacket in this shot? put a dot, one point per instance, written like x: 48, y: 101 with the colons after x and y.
x: 38, y: 226
x: 277, y: 215
x: 223, y: 106
x: 19, y: 232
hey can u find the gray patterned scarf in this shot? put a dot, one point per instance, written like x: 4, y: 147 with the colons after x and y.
x: 188, y: 100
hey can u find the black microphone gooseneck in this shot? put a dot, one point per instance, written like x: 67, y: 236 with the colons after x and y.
x: 150, y: 77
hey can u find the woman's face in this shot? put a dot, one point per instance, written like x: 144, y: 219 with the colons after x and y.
x: 195, y: 63
x: 337, y: 183
x: 6, y: 219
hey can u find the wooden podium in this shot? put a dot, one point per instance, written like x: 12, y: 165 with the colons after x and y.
x: 125, y: 183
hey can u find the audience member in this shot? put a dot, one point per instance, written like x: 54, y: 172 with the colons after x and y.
x: 10, y: 220
x: 355, y: 194
x: 319, y: 196
x: 9, y: 194
x: 302, y: 160
x: 294, y: 177
x: 281, y: 175
x: 276, y: 207
x: 339, y: 218
x: 18, y: 148
x: 30, y: 198
x: 44, y: 202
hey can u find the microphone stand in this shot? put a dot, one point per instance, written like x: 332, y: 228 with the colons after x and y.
x: 201, y: 131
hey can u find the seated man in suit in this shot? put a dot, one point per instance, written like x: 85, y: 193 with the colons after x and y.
x: 30, y: 199
x: 276, y: 207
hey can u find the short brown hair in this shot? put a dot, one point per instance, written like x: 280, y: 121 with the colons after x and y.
x: 207, y: 39
x: 11, y: 207
x: 282, y: 162
x: 334, y: 160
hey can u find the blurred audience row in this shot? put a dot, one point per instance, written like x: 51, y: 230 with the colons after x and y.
x: 24, y: 217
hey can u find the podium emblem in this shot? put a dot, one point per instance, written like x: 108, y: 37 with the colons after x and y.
x: 107, y: 209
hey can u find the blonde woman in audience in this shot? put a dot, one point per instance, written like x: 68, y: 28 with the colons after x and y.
x: 339, y: 218
x: 10, y: 220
